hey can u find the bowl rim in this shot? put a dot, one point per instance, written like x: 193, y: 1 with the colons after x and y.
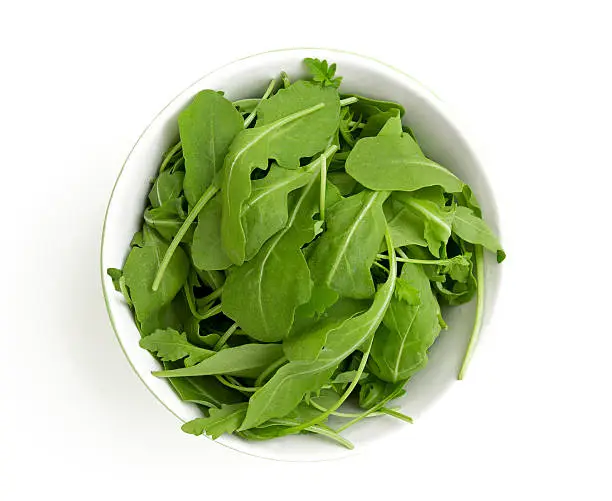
x: 434, y: 100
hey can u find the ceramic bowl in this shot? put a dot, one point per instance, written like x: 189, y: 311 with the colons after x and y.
x: 441, y: 138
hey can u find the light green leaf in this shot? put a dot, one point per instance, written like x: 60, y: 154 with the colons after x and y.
x: 171, y: 345
x: 224, y: 420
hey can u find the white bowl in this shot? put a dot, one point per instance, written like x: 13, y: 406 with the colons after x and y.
x: 441, y: 139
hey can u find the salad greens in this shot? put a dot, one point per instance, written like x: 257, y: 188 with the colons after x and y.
x: 294, y: 256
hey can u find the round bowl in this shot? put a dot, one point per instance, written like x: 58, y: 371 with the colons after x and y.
x: 440, y: 137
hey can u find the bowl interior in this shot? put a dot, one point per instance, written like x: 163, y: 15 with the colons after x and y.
x: 440, y: 138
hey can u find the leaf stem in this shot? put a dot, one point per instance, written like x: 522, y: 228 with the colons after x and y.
x: 340, y: 414
x: 323, y: 185
x: 169, y: 156
x: 204, y: 199
x: 212, y: 296
x: 223, y: 339
x: 371, y: 410
x: 376, y: 263
x: 396, y: 414
x: 238, y: 387
x: 215, y: 310
x: 421, y: 261
x: 124, y: 290
x: 348, y: 100
x: 479, y: 258
x: 251, y: 117
x: 190, y: 302
x: 357, y: 125
x: 269, y: 370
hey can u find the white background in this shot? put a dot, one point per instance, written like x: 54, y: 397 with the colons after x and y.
x: 532, y: 81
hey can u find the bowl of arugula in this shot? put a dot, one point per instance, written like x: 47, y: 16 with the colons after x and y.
x: 299, y: 254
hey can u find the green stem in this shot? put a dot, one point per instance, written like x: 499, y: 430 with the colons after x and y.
x: 223, y: 339
x: 269, y: 370
x: 376, y: 263
x: 169, y: 156
x: 215, y: 310
x: 204, y: 199
x: 401, y: 252
x: 328, y: 432
x: 357, y: 125
x: 238, y: 387
x: 348, y: 100
x: 190, y: 302
x: 177, y: 164
x: 479, y: 258
x: 253, y: 113
x: 323, y: 186
x: 212, y: 296
x: 339, y: 414
x: 245, y: 102
x: 420, y: 261
x: 396, y: 414
x: 370, y: 411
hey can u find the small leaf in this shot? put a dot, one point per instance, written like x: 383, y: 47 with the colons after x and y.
x: 472, y: 229
x: 167, y: 186
x: 227, y: 419
x: 170, y: 345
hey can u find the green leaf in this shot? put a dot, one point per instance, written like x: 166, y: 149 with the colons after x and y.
x: 395, y: 163
x: 322, y: 72
x: 378, y: 121
x: 219, y: 421
x: 202, y: 390
x: 174, y: 315
x: 410, y: 328
x: 436, y: 220
x: 140, y: 270
x: 247, y: 360
x: 366, y: 107
x: 263, y: 215
x: 283, y: 392
x: 207, y: 127
x: 296, y: 122
x: 341, y: 180
x: 258, y: 295
x: 171, y: 345
x: 472, y: 229
x: 167, y: 218
x: 347, y: 377
x: 374, y: 391
x: 341, y: 259
x: 167, y: 186
x: 115, y: 275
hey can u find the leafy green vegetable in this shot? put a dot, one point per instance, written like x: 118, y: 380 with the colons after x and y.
x: 297, y: 122
x: 226, y: 419
x: 343, y: 255
x: 247, y: 360
x: 395, y: 163
x: 472, y: 229
x: 170, y: 345
x: 207, y: 127
x: 322, y: 72
x: 410, y: 328
x: 265, y: 275
x: 140, y: 269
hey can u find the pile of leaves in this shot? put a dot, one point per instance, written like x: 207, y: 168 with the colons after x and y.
x: 293, y: 257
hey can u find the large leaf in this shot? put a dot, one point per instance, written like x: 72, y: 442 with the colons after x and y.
x: 410, y: 327
x: 207, y: 127
x: 284, y: 391
x: 140, y: 270
x: 259, y: 295
x: 297, y: 122
x: 387, y: 162
x: 247, y: 360
x: 263, y: 215
x: 342, y: 257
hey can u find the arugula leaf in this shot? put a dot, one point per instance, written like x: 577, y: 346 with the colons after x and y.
x: 226, y: 419
x: 394, y: 163
x: 247, y: 360
x: 410, y: 328
x: 366, y: 107
x: 283, y: 392
x: 207, y: 127
x: 472, y: 229
x: 296, y: 122
x: 140, y: 270
x: 167, y: 186
x: 167, y: 218
x: 322, y: 72
x: 341, y: 259
x: 263, y: 215
x: 170, y: 345
x: 251, y: 289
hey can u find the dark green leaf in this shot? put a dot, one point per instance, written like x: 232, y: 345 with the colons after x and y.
x: 171, y: 345
x: 219, y: 421
x: 167, y: 186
